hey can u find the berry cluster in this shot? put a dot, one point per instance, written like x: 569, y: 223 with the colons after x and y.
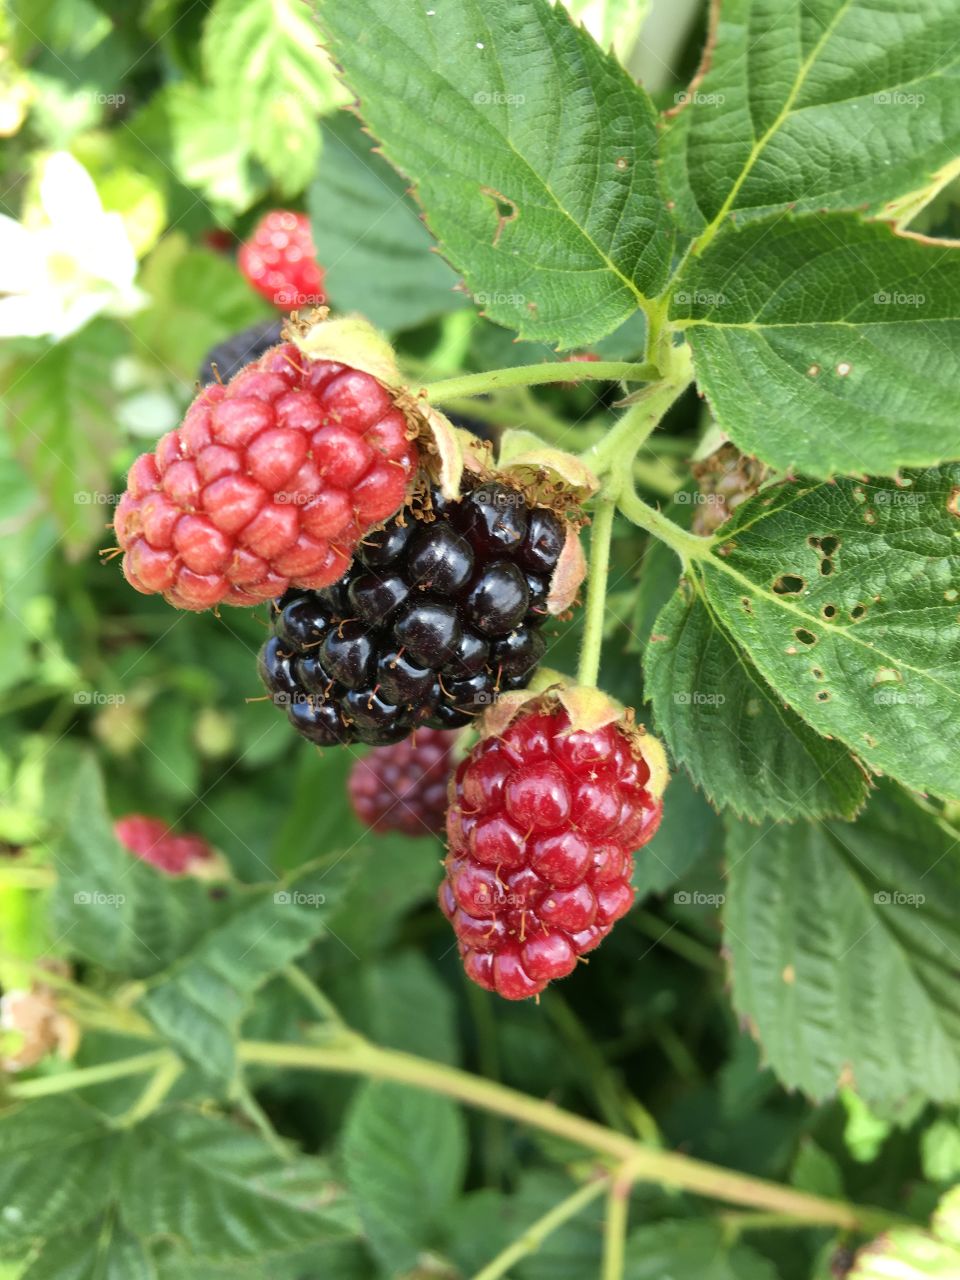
x: 151, y: 840
x: 542, y: 827
x: 439, y: 613
x: 270, y: 481
x: 279, y: 260
x: 403, y: 787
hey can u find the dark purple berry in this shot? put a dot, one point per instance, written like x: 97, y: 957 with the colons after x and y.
x: 498, y: 598
x: 428, y: 632
x: 543, y: 543
x: 518, y: 653
x: 439, y: 559
x: 375, y: 596
x: 347, y: 653
x: 494, y: 519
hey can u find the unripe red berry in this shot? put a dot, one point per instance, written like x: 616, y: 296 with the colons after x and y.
x: 151, y: 840
x: 403, y: 787
x: 543, y: 823
x: 279, y: 260
x: 269, y: 482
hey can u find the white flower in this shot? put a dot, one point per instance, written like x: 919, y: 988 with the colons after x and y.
x: 67, y: 261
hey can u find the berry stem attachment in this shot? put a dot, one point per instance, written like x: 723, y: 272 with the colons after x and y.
x: 532, y: 375
x: 670, y: 1169
x: 601, y: 531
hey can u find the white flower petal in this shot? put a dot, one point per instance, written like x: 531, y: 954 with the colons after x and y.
x: 77, y: 312
x: 68, y: 195
x: 28, y: 316
x: 21, y: 258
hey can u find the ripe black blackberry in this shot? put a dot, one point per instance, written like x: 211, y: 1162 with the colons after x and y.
x: 439, y: 611
x: 233, y: 353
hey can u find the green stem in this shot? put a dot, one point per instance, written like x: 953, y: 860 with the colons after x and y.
x: 615, y: 1225
x: 82, y: 1077
x: 616, y: 451
x: 601, y: 532
x: 532, y: 375
x: 158, y: 1086
x: 688, y: 546
x: 733, y: 1225
x: 538, y: 1231
x: 308, y: 989
x: 670, y: 1169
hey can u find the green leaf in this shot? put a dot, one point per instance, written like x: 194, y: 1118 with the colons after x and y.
x: 199, y: 1004
x: 940, y: 1151
x: 56, y: 1167
x: 410, y: 1008
x: 207, y: 152
x: 262, y: 56
x: 843, y: 942
x: 103, y: 1252
x: 338, y: 1259
x: 845, y: 597
x: 691, y: 1250
x: 107, y: 906
x: 827, y: 344
x: 907, y: 1253
x: 825, y: 106
x: 223, y: 1193
x: 56, y: 408
x: 530, y: 150
x: 817, y: 1172
x: 484, y: 1222
x: 405, y: 1155
x: 740, y: 743
x: 365, y: 226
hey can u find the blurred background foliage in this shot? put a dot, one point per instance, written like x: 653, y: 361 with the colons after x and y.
x: 191, y: 120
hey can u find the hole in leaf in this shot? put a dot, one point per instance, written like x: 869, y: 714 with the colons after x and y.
x: 829, y: 546
x: 817, y: 673
x: 826, y: 568
x: 858, y: 611
x: 805, y: 636
x: 828, y: 611
x: 789, y: 584
x: 823, y: 695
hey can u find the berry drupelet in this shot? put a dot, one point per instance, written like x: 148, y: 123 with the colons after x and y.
x: 440, y: 611
x: 542, y: 827
x: 403, y: 787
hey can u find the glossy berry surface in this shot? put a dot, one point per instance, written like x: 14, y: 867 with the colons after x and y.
x: 434, y: 618
x: 227, y: 358
x: 542, y: 830
x: 403, y: 787
x: 151, y: 840
x: 269, y: 482
x: 280, y: 261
